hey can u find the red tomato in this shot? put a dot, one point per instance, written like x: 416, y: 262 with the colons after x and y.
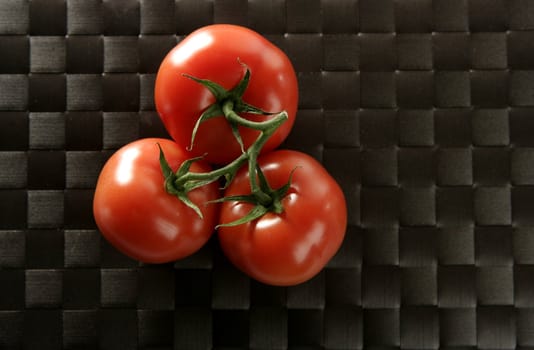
x: 214, y: 53
x: 292, y: 247
x: 135, y: 213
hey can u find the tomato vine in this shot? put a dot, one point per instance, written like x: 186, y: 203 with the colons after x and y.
x: 228, y: 104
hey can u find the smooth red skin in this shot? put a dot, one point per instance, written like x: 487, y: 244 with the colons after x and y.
x: 313, y: 222
x: 139, y: 217
x: 213, y: 53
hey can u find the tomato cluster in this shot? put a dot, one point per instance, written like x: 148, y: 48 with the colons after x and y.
x: 227, y: 97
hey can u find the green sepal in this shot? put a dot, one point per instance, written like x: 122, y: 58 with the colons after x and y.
x: 191, y: 185
x: 170, y: 177
x: 237, y: 93
x: 183, y: 197
x: 186, y: 165
x: 244, y: 107
x: 228, y: 178
x: 239, y: 90
x: 217, y: 90
x: 248, y: 198
x: 264, y: 184
x: 282, y: 191
x: 256, y: 212
x: 212, y: 111
x: 237, y: 135
x: 168, y: 174
x: 168, y: 184
x: 165, y: 167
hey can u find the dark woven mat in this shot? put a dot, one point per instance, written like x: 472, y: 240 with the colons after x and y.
x: 423, y: 110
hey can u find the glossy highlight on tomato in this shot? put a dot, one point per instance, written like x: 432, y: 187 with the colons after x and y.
x: 219, y: 53
x: 136, y: 215
x: 291, y: 247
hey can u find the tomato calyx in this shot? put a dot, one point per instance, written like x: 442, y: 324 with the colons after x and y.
x: 228, y: 103
x: 266, y: 200
x: 170, y: 180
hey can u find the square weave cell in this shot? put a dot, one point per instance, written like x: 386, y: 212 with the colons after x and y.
x: 421, y: 109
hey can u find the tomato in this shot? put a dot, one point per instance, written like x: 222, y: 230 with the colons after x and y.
x: 218, y: 53
x: 135, y: 213
x: 291, y: 247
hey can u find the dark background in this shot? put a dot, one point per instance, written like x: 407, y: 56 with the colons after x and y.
x: 423, y: 110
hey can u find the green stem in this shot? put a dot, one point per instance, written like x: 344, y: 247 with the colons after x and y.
x: 214, y: 174
x: 232, y: 116
x: 266, y: 128
x: 263, y: 198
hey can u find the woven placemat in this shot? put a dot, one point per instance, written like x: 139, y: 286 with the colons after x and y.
x: 422, y: 110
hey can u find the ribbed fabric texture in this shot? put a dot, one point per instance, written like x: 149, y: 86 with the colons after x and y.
x: 422, y: 110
